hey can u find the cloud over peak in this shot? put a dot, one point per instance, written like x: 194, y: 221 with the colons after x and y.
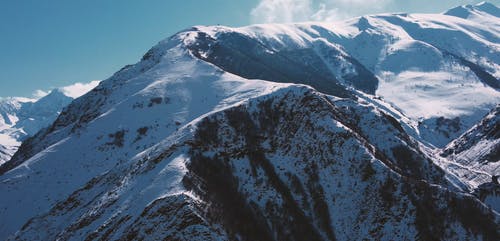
x: 284, y: 11
x: 271, y: 11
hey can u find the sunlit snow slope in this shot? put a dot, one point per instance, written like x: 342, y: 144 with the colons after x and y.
x: 437, y: 69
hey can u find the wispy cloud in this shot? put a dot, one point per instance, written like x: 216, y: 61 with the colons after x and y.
x: 272, y: 11
x: 284, y: 11
x: 75, y: 90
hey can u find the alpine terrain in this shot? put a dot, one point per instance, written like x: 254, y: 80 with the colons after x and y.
x: 381, y: 127
x: 24, y: 117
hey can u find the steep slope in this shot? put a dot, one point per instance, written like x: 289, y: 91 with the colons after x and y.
x: 297, y: 59
x: 5, y: 153
x: 475, y: 159
x: 478, y: 150
x: 187, y: 144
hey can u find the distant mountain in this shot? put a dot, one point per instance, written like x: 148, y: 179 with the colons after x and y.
x: 21, y: 117
x: 382, y: 127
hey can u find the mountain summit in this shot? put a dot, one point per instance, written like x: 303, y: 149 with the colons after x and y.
x: 362, y: 129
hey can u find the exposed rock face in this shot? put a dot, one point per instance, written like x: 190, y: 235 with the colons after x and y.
x: 299, y: 183
x: 283, y: 166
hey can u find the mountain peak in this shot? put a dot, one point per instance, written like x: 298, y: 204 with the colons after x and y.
x: 55, y: 96
x: 57, y: 92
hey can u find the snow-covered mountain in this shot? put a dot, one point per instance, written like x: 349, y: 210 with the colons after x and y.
x: 423, y: 64
x: 22, y: 117
x: 361, y: 129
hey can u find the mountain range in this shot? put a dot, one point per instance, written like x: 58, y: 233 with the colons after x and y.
x: 380, y: 127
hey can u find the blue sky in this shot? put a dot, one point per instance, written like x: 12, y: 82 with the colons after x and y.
x: 53, y: 43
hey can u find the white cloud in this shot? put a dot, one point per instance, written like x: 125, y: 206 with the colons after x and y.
x: 283, y: 11
x: 78, y: 89
x: 75, y: 90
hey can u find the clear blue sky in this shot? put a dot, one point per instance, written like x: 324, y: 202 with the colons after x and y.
x: 46, y: 44
x: 53, y: 43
